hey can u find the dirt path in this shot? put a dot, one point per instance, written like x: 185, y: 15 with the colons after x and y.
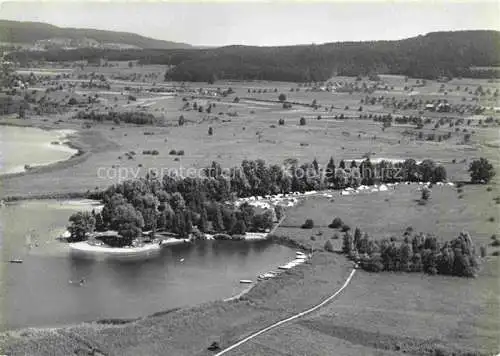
x: 284, y: 321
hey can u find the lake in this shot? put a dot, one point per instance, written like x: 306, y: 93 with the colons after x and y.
x: 38, y: 292
x: 27, y: 145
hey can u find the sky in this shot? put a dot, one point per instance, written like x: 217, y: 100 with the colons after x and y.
x: 262, y: 23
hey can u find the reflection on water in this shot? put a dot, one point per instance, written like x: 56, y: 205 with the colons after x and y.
x: 40, y: 292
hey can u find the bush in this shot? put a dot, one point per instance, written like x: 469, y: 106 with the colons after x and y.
x: 308, y: 224
x: 495, y: 243
x: 426, y: 194
x: 495, y: 253
x: 302, y: 121
x: 336, y: 237
x: 336, y: 223
x: 328, y: 246
x: 172, y: 152
x: 180, y: 153
x: 345, y: 228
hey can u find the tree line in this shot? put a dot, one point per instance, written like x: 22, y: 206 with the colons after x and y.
x: 129, y: 117
x: 178, y: 204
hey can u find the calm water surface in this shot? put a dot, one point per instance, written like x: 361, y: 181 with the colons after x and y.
x: 38, y: 293
x: 26, y: 145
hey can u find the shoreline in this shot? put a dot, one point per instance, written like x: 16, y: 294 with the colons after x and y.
x: 126, y: 321
x: 85, y: 250
x: 73, y: 141
x: 266, y: 301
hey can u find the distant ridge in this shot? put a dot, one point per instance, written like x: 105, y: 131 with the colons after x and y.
x: 436, y: 54
x: 474, y: 54
x: 33, y: 32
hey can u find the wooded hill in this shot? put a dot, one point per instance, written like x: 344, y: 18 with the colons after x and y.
x: 451, y: 54
x: 30, y: 32
x: 430, y: 56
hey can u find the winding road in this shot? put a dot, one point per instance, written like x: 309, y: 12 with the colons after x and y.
x: 293, y: 317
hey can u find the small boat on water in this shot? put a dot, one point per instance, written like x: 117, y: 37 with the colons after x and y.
x: 16, y: 260
x: 245, y: 281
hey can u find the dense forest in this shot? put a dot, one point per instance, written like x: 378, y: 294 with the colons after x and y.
x: 93, y: 55
x: 452, y: 54
x: 433, y: 55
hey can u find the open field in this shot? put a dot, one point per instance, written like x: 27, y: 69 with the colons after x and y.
x: 388, y: 214
x: 247, y: 129
x: 378, y: 314
x: 397, y: 314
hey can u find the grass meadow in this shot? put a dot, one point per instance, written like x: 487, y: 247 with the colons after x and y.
x: 377, y: 314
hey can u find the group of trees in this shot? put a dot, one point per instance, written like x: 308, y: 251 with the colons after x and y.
x: 129, y: 117
x: 416, y: 253
x: 352, y: 174
x: 170, y: 204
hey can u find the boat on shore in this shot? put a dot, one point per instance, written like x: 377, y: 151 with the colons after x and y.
x: 245, y: 281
